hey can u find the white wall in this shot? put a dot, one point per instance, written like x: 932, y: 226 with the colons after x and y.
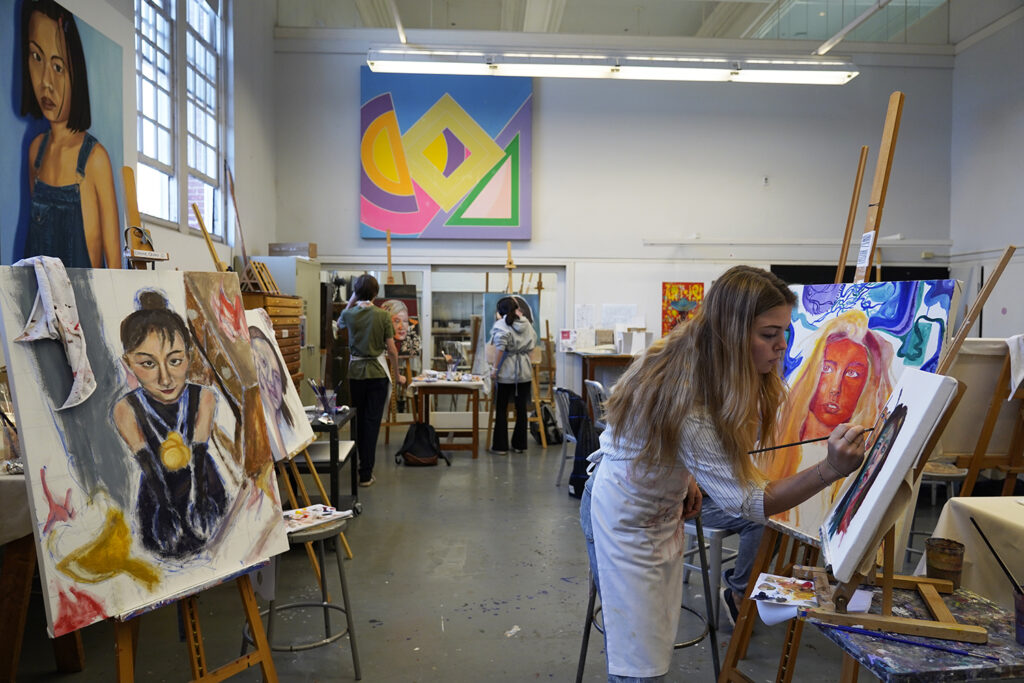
x: 987, y: 164
x: 615, y: 163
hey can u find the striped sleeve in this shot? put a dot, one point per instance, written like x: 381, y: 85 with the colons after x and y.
x: 703, y: 456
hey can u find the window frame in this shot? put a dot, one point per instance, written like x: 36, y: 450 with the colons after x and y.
x: 180, y: 171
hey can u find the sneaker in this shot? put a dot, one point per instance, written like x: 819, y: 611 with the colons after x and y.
x: 368, y: 482
x: 731, y: 609
x: 495, y: 451
x: 518, y: 450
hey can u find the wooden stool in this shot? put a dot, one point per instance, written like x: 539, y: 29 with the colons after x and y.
x: 317, y: 534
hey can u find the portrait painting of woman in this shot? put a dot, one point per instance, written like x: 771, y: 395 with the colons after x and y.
x: 73, y: 212
x: 167, y: 423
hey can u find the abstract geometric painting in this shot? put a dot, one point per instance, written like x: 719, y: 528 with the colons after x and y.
x: 847, y: 348
x: 679, y: 301
x: 903, y: 427
x: 445, y: 157
x: 146, y: 450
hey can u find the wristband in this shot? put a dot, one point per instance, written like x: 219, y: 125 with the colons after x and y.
x: 827, y: 462
x: 817, y: 468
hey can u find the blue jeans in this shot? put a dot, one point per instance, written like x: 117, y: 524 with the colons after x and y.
x: 588, y: 535
x: 750, y: 538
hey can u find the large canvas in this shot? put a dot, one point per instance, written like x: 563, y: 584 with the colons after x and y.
x: 679, y: 301
x: 853, y: 524
x: 158, y: 481
x: 26, y: 119
x: 848, y: 346
x: 289, y: 430
x: 445, y: 157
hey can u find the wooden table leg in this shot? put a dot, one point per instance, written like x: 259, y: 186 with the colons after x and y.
x: 850, y: 669
x: 476, y: 423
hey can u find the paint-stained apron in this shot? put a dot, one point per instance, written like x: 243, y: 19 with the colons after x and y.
x: 639, y: 544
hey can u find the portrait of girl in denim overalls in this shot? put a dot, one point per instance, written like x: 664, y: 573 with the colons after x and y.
x: 74, y: 214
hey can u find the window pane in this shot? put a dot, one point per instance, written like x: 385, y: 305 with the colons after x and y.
x: 154, y: 191
x: 164, y: 140
x: 205, y: 197
x: 148, y: 138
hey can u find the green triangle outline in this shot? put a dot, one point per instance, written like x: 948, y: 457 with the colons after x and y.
x: 457, y: 219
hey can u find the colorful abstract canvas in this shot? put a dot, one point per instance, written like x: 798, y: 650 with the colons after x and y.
x: 146, y: 448
x: 679, y: 301
x: 445, y: 157
x: 848, y: 345
x: 289, y: 430
x: 852, y: 526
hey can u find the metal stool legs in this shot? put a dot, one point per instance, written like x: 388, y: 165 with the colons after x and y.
x: 709, y: 620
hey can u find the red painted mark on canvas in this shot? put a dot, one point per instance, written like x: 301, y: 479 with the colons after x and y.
x: 59, y: 512
x: 76, y: 610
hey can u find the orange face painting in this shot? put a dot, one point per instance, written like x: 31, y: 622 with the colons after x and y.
x: 844, y: 372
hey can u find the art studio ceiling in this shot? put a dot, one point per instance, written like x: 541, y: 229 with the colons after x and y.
x: 909, y: 22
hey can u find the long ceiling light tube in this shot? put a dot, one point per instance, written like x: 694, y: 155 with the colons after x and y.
x: 496, y: 62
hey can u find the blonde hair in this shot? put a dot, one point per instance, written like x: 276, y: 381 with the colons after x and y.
x: 705, y: 363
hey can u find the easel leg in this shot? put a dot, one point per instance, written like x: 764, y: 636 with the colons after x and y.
x: 259, y: 637
x: 193, y: 636
x: 795, y: 630
x: 282, y: 475
x: 536, y: 409
x: 745, y: 620
x: 850, y: 669
x: 126, y: 635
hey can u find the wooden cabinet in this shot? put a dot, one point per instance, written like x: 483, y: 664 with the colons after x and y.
x: 300, y: 277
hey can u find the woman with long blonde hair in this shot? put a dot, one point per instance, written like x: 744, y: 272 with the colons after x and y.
x: 697, y: 402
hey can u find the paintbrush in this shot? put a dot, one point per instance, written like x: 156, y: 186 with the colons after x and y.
x: 1016, y: 585
x: 905, y: 641
x: 798, y: 443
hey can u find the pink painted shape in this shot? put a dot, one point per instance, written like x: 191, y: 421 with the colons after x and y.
x: 495, y: 200
x: 76, y: 611
x: 400, y: 223
x: 58, y: 512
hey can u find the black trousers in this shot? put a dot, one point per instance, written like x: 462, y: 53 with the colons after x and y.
x: 520, y: 393
x: 369, y: 398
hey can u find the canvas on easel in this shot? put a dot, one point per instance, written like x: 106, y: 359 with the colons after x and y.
x: 903, y: 427
x: 289, y: 430
x: 848, y: 346
x: 159, y: 482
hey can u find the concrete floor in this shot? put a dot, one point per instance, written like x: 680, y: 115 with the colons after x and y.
x: 475, y: 572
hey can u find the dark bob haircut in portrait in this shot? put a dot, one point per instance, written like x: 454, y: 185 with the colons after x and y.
x: 80, y: 115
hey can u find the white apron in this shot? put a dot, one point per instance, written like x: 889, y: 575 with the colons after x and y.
x: 638, y: 537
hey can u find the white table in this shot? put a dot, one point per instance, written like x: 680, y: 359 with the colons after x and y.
x: 15, y: 520
x: 1002, y: 520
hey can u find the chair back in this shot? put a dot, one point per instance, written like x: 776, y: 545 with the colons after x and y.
x: 562, y: 414
x: 598, y: 397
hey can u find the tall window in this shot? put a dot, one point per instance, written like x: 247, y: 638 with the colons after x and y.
x: 179, y: 64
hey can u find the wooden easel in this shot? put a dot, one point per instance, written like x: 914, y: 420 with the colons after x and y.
x: 221, y: 268
x: 880, y: 187
x: 138, y: 242
x: 126, y: 635
x: 1013, y: 462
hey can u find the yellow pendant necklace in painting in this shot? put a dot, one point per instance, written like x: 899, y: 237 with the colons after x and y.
x: 174, y: 453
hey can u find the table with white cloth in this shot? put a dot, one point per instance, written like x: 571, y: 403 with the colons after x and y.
x: 425, y: 387
x: 19, y: 566
x: 1002, y: 520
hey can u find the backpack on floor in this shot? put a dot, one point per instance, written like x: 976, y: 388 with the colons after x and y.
x: 586, y: 443
x: 551, y: 429
x: 421, y: 447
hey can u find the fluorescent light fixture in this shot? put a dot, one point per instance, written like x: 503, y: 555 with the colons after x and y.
x: 659, y: 67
